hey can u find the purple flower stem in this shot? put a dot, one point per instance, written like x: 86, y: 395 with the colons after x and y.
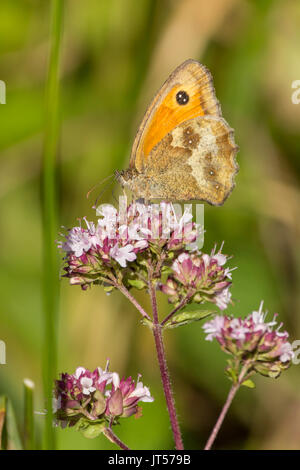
x: 113, y: 438
x: 159, y: 264
x: 161, y: 356
x: 130, y: 297
x: 225, y: 408
x: 181, y: 305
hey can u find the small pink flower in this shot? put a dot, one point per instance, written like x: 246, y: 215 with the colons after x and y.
x: 98, y: 395
x: 252, y: 339
x: 200, y: 277
x: 213, y: 328
x: 87, y: 385
x: 286, y: 352
x: 98, y: 252
x: 123, y: 254
x: 223, y: 298
x: 125, y: 396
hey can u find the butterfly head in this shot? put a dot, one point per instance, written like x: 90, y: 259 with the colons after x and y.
x: 125, y: 176
x: 138, y: 183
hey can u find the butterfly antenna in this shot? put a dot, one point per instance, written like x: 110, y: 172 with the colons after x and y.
x: 98, y: 184
x: 101, y: 194
x: 117, y: 174
x: 114, y: 196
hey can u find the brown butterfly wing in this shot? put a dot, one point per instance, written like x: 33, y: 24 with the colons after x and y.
x: 196, y: 160
x: 165, y: 112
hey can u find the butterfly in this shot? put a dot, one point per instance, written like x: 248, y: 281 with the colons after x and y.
x: 184, y: 149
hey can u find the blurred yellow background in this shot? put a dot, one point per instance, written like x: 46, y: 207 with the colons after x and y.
x: 115, y: 55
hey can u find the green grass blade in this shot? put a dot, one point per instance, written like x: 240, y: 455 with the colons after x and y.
x: 49, y: 193
x: 3, y: 440
x: 9, y: 433
x: 29, y: 441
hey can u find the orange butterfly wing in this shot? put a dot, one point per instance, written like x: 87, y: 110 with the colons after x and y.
x: 165, y: 112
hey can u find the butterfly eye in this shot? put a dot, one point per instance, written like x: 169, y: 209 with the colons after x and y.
x: 182, y: 97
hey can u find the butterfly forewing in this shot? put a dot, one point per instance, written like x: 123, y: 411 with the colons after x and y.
x: 193, y: 82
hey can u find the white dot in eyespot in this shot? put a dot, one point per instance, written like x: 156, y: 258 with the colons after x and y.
x: 182, y: 97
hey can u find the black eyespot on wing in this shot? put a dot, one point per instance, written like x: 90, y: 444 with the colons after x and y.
x: 182, y: 97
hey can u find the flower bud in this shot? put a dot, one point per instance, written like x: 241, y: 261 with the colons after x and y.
x: 86, y: 396
x: 201, y: 277
x: 253, y: 341
x: 115, y: 403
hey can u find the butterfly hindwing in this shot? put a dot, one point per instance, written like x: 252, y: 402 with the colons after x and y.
x: 196, y: 160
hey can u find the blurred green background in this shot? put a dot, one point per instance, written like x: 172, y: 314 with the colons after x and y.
x: 115, y: 55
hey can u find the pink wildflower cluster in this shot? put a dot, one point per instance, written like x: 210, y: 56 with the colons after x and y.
x: 200, y: 277
x: 253, y: 340
x: 97, y: 396
x: 95, y: 253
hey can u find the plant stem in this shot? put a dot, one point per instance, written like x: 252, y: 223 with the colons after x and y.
x: 49, y: 212
x: 165, y: 377
x: 230, y: 397
x: 29, y: 443
x: 130, y: 297
x: 107, y: 431
x: 181, y: 305
x: 113, y: 438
